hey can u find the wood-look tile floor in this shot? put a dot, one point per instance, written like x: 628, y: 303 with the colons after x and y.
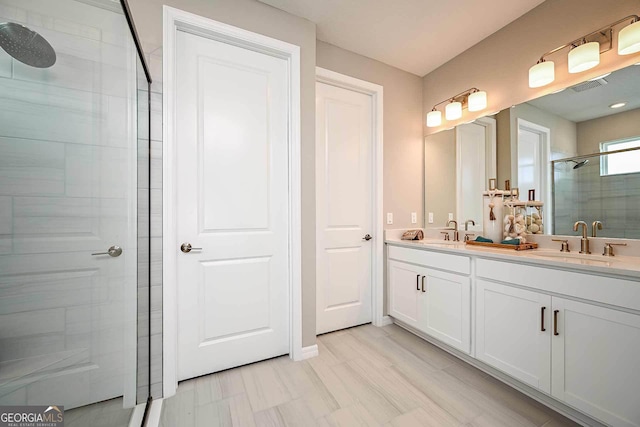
x: 109, y: 413
x: 364, y: 376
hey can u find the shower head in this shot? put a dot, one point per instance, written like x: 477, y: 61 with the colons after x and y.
x: 26, y: 45
x: 578, y: 165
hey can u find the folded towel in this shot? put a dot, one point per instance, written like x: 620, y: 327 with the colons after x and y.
x: 483, y: 239
x: 511, y: 242
x: 413, y: 235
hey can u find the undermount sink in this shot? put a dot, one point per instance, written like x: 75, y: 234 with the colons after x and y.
x: 575, y: 258
x: 439, y: 242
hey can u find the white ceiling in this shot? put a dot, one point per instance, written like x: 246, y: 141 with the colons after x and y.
x: 414, y: 35
x: 622, y: 86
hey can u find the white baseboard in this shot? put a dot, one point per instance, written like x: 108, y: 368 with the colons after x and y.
x: 155, y: 411
x: 386, y: 320
x: 309, y: 352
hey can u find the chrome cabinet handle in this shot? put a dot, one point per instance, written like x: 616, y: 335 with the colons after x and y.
x: 113, y: 251
x: 367, y: 237
x: 542, y: 309
x: 186, y: 248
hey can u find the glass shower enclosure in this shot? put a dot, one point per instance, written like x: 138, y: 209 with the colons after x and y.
x: 74, y: 214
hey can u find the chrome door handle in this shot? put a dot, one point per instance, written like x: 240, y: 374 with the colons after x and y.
x: 113, y: 251
x: 186, y: 248
x: 367, y: 237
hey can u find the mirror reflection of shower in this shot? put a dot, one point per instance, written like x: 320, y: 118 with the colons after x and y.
x: 26, y: 45
x: 580, y: 164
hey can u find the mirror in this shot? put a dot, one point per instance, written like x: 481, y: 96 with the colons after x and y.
x: 538, y: 143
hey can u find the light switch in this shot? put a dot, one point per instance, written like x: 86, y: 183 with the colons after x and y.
x: 450, y: 216
x: 414, y: 218
x: 389, y: 218
x: 430, y: 217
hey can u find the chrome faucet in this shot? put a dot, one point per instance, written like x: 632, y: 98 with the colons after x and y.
x: 456, y: 234
x: 466, y: 224
x: 597, y: 225
x: 584, y: 242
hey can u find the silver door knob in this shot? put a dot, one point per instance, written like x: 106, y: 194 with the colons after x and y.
x: 113, y: 251
x: 186, y: 248
x: 367, y: 237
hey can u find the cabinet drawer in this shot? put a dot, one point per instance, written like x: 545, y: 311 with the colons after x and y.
x: 454, y: 263
x: 607, y: 290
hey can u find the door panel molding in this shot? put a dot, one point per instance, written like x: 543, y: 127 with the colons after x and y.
x: 376, y: 92
x: 175, y: 20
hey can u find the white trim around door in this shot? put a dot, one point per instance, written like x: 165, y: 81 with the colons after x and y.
x: 376, y: 92
x: 175, y: 20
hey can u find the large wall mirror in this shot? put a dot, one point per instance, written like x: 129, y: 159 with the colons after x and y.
x: 579, y: 149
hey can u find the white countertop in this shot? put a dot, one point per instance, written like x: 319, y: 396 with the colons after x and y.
x: 627, y: 266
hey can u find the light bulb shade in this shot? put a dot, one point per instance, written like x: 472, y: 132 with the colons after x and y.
x: 542, y: 74
x: 478, y: 101
x: 434, y: 118
x: 453, y: 111
x: 584, y: 57
x: 629, y: 39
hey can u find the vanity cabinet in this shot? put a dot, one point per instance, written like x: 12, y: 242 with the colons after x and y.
x: 404, y: 292
x: 428, y: 299
x: 513, y: 332
x: 583, y: 354
x: 595, y: 360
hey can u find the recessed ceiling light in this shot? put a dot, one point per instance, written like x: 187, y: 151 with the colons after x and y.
x: 599, y: 77
x: 618, y: 105
x: 558, y: 91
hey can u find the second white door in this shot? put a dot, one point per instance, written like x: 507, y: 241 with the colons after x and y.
x: 232, y: 205
x: 344, y: 147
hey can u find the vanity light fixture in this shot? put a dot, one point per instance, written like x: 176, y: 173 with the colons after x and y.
x: 585, y: 51
x: 453, y: 110
x: 584, y: 57
x: 473, y: 99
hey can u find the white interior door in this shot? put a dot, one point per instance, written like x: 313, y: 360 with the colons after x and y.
x: 344, y: 147
x: 475, y: 165
x: 530, y: 163
x: 232, y: 201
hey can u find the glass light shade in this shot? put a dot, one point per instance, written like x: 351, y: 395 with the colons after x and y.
x: 453, y: 111
x: 542, y: 74
x: 629, y: 39
x: 478, y: 101
x: 434, y: 118
x: 584, y: 57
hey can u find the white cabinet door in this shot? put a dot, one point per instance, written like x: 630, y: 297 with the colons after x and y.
x: 595, y: 359
x: 513, y: 332
x: 446, y: 308
x: 405, y: 281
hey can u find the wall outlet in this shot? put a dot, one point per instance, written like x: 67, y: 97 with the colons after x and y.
x: 430, y: 217
x: 450, y: 216
x: 389, y: 218
x: 414, y: 218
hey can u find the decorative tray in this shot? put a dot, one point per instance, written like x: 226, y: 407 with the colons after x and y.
x: 521, y: 247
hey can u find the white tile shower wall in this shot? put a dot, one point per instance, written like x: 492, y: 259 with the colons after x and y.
x: 61, y: 131
x: 583, y: 194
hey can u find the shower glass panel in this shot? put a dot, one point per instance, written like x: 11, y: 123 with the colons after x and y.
x: 73, y: 210
x: 584, y: 189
